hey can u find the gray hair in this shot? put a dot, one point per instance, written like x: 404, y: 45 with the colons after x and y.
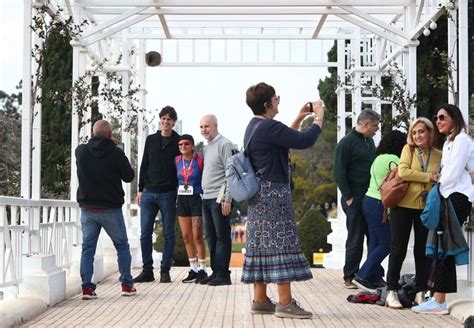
x: 368, y: 115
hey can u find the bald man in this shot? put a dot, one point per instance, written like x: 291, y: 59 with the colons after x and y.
x: 216, y: 204
x: 101, y: 168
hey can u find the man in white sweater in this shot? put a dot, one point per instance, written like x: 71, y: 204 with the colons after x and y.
x: 216, y: 204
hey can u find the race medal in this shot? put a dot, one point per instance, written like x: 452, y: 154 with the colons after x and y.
x: 185, y: 190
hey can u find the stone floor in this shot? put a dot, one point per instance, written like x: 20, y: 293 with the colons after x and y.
x: 191, y: 305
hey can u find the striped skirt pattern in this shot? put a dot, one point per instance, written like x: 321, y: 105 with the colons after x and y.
x: 273, y: 252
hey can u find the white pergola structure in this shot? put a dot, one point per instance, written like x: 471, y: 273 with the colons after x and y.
x: 369, y: 34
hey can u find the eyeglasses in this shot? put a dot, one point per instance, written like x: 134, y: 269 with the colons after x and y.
x: 277, y: 98
x: 440, y: 117
x: 182, y: 144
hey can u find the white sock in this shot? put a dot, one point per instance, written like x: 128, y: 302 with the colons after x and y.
x: 193, y: 264
x: 202, y: 264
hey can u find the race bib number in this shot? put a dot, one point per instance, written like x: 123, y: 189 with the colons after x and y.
x: 185, y: 190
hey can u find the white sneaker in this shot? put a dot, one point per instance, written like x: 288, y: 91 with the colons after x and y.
x: 392, y: 300
x: 420, y: 298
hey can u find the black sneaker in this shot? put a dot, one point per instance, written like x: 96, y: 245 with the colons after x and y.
x: 201, y: 275
x: 220, y: 281
x: 192, y: 275
x: 205, y: 281
x: 165, y: 277
x: 145, y: 276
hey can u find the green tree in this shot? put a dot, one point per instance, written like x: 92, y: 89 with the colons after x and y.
x: 10, y: 143
x: 56, y: 115
x: 313, y: 230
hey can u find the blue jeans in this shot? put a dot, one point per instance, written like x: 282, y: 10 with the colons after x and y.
x: 356, y: 230
x: 379, y: 240
x: 150, y: 204
x: 114, y: 225
x: 217, y: 230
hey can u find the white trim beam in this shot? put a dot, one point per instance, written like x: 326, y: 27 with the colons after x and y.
x: 95, y: 38
x: 374, y: 30
x: 320, y: 26
x: 188, y: 10
x: 155, y: 36
x: 375, y: 21
x: 113, y: 21
x: 240, y: 3
x: 416, y: 32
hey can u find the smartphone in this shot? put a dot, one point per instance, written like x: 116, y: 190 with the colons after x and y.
x: 309, y: 105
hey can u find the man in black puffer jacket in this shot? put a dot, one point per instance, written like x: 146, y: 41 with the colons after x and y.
x: 101, y: 167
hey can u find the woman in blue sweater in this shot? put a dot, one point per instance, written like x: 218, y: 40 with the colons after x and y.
x: 273, y: 252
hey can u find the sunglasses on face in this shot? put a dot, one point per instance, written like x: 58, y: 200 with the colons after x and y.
x: 182, y: 144
x: 440, y: 117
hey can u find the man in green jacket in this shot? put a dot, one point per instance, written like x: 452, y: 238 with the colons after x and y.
x: 354, y: 156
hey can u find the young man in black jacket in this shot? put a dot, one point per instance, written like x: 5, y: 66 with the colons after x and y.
x: 101, y: 167
x: 157, y: 190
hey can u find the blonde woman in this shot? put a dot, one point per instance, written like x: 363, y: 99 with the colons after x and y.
x: 419, y: 165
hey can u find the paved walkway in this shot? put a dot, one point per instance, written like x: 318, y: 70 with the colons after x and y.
x: 191, y: 305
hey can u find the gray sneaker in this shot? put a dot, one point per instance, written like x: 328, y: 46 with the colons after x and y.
x: 292, y: 310
x: 263, y: 308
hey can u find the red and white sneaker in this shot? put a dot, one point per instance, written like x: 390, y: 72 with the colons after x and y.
x: 88, y: 294
x: 128, y: 290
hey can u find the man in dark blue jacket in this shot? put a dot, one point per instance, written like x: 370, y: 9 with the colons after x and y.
x: 157, y: 189
x: 101, y: 167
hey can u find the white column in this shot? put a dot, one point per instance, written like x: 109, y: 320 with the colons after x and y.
x: 409, y: 59
x: 453, y: 98
x: 26, y: 103
x: 356, y: 76
x: 335, y: 259
x: 463, y: 60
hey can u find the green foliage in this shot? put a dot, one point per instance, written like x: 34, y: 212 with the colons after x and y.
x: 56, y: 115
x: 313, y: 180
x: 180, y: 256
x: 10, y: 143
x: 313, y: 230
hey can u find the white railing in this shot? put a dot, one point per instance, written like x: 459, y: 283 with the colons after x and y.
x: 29, y: 227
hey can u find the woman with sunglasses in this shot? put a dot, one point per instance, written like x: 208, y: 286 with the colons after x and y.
x: 419, y: 163
x: 273, y: 252
x: 189, y: 207
x: 455, y: 184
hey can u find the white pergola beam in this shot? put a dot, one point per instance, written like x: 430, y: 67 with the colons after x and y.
x: 156, y: 36
x: 416, y: 32
x: 320, y: 26
x: 375, y: 21
x: 374, y: 30
x: 117, y: 28
x: 241, y: 3
x: 113, y: 21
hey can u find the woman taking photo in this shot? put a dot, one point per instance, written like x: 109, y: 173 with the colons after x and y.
x: 419, y: 164
x: 388, y: 156
x: 455, y: 185
x: 189, y: 207
x: 273, y: 252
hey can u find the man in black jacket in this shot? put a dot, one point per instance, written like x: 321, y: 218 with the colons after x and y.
x: 157, y: 189
x: 101, y: 167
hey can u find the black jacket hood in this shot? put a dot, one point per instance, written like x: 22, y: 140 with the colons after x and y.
x: 99, y: 146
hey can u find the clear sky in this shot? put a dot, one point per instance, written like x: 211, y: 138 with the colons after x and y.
x: 194, y: 92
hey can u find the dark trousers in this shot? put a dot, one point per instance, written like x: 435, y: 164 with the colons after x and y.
x: 401, y: 221
x: 356, y: 230
x: 446, y: 281
x: 217, y: 231
x: 379, y: 240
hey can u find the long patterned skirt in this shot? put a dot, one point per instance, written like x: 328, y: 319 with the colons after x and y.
x: 273, y: 252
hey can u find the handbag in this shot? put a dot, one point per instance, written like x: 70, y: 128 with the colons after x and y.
x: 393, y: 188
